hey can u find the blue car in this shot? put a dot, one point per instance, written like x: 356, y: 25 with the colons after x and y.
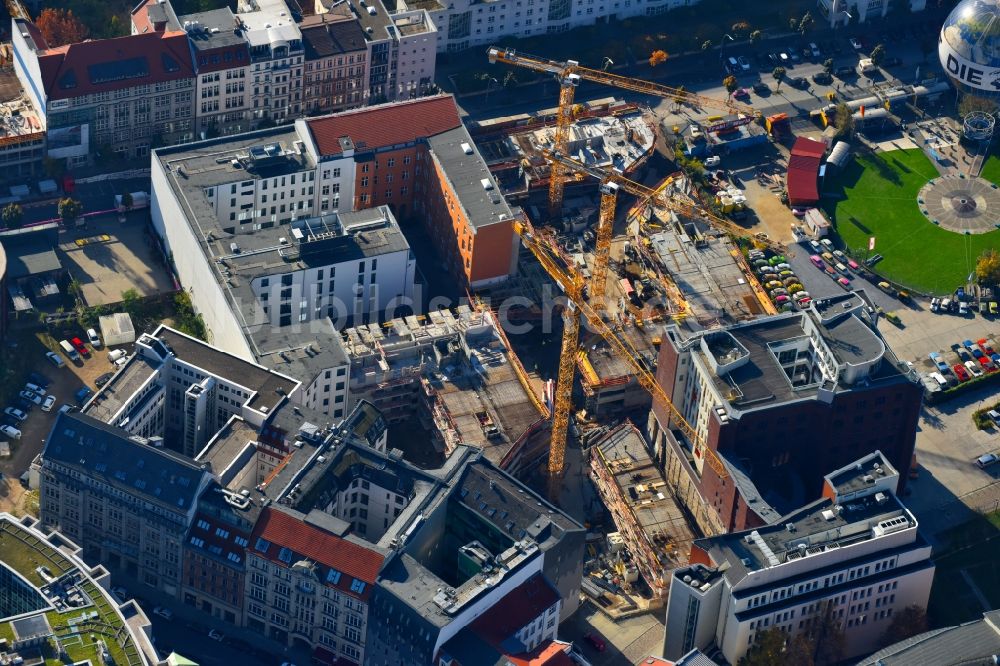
x: 936, y: 359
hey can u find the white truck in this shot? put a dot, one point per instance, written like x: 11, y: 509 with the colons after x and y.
x: 139, y: 200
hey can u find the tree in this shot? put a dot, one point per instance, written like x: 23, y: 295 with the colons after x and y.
x: 509, y: 80
x: 130, y: 301
x: 779, y: 75
x: 657, y: 57
x: 799, y: 651
x: 987, y: 272
x: 731, y: 84
x: 115, y: 28
x: 755, y: 36
x: 127, y: 201
x: 793, y: 24
x: 54, y: 168
x: 740, y: 27
x: 912, y: 620
x: 828, y: 65
x: 69, y: 209
x: 767, y: 649
x: 806, y: 22
x: 844, y: 121
x: 829, y: 642
x: 970, y: 103
x: 706, y: 45
x: 12, y: 215
x: 60, y: 27
x: 878, y: 55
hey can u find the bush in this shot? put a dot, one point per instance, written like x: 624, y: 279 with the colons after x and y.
x: 982, y: 421
x: 976, y: 382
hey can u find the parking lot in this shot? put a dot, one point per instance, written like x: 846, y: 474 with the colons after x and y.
x: 63, y: 383
x: 107, y: 257
x: 948, y: 441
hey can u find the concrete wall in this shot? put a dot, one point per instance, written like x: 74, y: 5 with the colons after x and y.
x: 193, y: 269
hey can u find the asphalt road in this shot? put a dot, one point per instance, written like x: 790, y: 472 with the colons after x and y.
x: 820, y: 285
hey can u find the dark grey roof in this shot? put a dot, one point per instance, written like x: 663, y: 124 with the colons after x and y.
x: 223, y: 21
x: 466, y: 173
x: 969, y: 644
x: 31, y: 253
x: 331, y: 37
x: 107, y: 453
x: 299, y: 351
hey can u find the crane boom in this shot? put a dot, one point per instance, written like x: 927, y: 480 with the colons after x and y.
x: 602, y: 246
x: 572, y: 285
x: 571, y: 67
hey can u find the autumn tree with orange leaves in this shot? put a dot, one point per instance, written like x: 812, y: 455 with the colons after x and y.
x: 657, y: 57
x: 60, y: 27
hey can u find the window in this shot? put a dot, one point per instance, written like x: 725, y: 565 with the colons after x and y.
x: 285, y: 555
x: 357, y: 586
x: 219, y: 532
x: 203, y: 524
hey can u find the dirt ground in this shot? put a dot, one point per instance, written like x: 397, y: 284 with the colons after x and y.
x: 65, y: 382
x: 106, y: 268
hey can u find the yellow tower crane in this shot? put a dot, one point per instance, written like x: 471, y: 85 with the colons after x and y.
x: 570, y: 74
x: 572, y: 284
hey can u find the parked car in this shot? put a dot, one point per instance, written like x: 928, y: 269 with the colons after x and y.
x: 816, y: 247
x: 984, y: 344
x: 10, y: 431
x: 961, y: 372
x: 35, y: 388
x: 93, y: 338
x: 31, y: 397
x: 856, y: 44
x: 80, y: 347
x: 165, y: 613
x: 994, y: 416
x: 598, y: 643
x: 103, y: 379
x: 974, y: 368
x: 15, y: 413
x: 215, y: 635
x: 822, y: 78
x: 761, y: 88
x: 936, y: 359
x: 963, y: 309
x: 48, y: 403
x: 798, y: 82
x: 987, y: 460
x: 54, y: 359
x: 935, y: 304
x: 845, y: 283
x: 844, y: 73
x: 744, y: 63
x: 814, y: 50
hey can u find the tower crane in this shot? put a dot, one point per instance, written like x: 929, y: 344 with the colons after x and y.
x: 572, y: 284
x: 570, y: 74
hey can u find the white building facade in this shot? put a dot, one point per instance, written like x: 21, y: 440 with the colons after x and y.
x: 854, y: 557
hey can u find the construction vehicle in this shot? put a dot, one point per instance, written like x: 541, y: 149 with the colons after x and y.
x: 570, y: 74
x: 486, y: 423
x: 572, y: 284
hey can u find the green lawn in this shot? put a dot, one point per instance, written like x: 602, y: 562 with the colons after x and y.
x: 876, y: 195
x: 991, y: 169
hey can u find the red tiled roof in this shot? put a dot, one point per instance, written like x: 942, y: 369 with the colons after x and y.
x: 552, y: 653
x: 306, y: 541
x: 166, y: 55
x: 386, y: 125
x: 515, y: 610
x: 803, y: 171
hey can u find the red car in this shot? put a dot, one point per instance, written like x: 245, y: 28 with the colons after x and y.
x: 960, y: 372
x: 987, y: 364
x: 595, y: 639
x: 79, y: 346
x: 985, y: 346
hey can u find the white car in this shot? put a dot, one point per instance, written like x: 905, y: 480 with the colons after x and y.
x: 855, y: 44
x: 35, y: 388
x: 15, y: 413
x: 54, y: 359
x: 817, y: 248
x: 10, y: 431
x: 974, y: 368
x: 47, y: 404
x: 215, y: 635
x: 165, y: 613
x: 713, y: 161
x: 31, y: 396
x: 93, y: 338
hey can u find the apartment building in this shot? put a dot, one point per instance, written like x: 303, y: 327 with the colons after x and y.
x: 841, y: 12
x: 222, y: 61
x: 754, y: 391
x: 276, y: 56
x: 127, y: 503
x: 336, y: 63
x: 465, y: 24
x: 123, y: 95
x: 417, y: 158
x: 309, y: 583
x: 854, y: 558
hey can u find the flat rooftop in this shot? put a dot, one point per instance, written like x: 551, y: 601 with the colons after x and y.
x: 413, y: 25
x: 607, y: 365
x: 857, y: 476
x: 625, y: 455
x: 26, y: 551
x: 469, y: 177
x: 117, y: 392
x: 215, y: 29
x: 820, y: 526
x: 712, y: 283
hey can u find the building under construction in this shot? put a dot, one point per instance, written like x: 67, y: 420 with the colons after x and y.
x: 454, y: 372
x: 653, y: 527
x: 606, y: 133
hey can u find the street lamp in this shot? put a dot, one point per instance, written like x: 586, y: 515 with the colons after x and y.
x: 722, y: 45
x: 489, y: 86
x: 608, y: 62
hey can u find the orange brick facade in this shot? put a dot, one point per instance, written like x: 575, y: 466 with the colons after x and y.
x: 413, y: 184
